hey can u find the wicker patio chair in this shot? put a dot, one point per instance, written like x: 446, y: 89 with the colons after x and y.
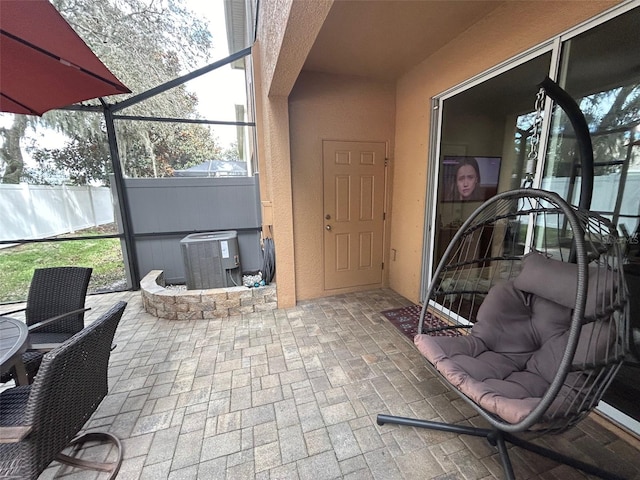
x: 38, y: 421
x: 54, y: 311
x: 539, y: 324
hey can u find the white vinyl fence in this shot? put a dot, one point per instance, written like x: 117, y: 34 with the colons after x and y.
x: 39, y: 211
x: 605, y: 192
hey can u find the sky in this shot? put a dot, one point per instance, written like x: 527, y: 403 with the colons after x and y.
x: 219, y: 91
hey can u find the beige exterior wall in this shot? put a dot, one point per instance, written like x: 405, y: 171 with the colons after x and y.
x: 328, y: 107
x: 287, y: 30
x: 507, y: 31
x: 292, y: 121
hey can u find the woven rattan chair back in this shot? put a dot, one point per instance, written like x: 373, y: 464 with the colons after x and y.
x: 55, y: 291
x: 71, y: 383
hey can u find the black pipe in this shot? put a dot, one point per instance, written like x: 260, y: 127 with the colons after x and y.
x: 583, y: 137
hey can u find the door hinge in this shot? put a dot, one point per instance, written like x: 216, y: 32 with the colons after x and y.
x: 384, y: 215
x: 382, y: 265
x: 386, y: 162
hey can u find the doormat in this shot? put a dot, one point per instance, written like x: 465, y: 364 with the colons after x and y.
x: 406, y: 320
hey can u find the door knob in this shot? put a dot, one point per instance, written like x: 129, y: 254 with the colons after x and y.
x: 328, y: 227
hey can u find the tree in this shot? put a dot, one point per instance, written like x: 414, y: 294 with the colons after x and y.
x: 184, y: 148
x: 231, y: 154
x: 145, y: 43
x: 11, y: 161
x: 611, y: 116
x: 82, y: 162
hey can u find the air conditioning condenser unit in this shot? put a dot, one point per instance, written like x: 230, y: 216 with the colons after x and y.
x: 211, y: 260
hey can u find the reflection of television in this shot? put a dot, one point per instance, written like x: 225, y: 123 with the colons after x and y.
x: 458, y: 174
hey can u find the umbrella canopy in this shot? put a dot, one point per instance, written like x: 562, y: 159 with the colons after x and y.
x: 44, y: 64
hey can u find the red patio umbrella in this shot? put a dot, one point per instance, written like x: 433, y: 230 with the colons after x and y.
x: 44, y: 64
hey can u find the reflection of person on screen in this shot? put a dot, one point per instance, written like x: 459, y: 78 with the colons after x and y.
x: 467, y: 180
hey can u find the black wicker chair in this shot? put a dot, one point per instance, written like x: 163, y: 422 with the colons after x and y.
x: 539, y: 324
x: 38, y: 421
x: 54, y: 312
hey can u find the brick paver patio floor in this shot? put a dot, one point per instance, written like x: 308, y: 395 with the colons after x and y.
x: 294, y: 394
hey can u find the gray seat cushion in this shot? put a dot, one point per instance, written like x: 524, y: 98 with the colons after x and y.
x: 514, y: 350
x: 502, y: 364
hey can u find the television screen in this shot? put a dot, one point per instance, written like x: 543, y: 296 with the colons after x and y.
x: 469, y: 178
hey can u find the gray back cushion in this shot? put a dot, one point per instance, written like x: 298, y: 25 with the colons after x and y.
x: 558, y: 281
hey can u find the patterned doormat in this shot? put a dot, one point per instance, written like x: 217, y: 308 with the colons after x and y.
x: 406, y: 320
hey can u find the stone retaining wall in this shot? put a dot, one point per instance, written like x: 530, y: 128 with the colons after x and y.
x: 198, y: 304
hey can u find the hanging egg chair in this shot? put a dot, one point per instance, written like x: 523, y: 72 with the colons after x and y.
x: 532, y: 294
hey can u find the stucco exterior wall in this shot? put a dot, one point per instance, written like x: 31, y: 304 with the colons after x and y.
x: 328, y: 107
x: 292, y: 121
x: 507, y: 31
x: 286, y: 30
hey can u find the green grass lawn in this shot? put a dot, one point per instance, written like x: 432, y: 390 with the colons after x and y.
x: 17, y: 264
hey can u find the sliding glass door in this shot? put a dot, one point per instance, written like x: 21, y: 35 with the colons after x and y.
x: 484, y: 141
x: 600, y: 69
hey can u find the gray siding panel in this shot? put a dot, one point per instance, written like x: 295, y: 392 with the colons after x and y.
x: 169, y: 205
